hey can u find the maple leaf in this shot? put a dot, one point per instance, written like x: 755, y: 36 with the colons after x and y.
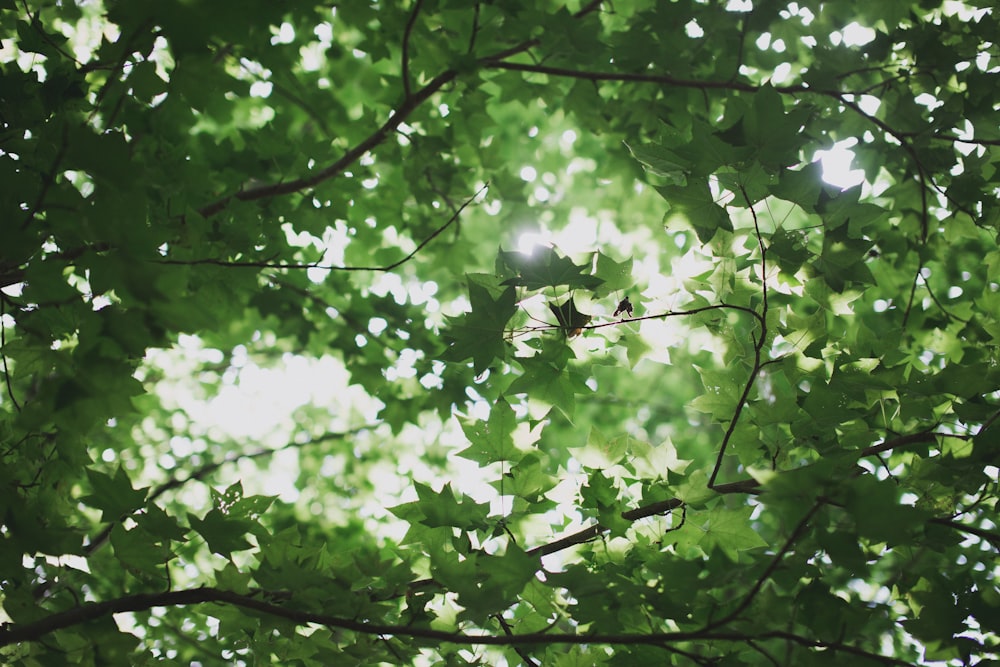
x: 570, y: 319
x: 479, y: 334
x: 544, y: 267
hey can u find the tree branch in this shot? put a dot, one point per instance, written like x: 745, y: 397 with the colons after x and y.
x: 409, y: 104
x: 841, y: 96
x: 209, y: 468
x: 11, y: 633
x: 769, y: 570
x: 405, y: 65
x: 48, y: 179
x: 657, y: 316
x: 989, y: 536
x: 331, y: 267
x: 101, y: 538
x: 747, y: 486
x: 3, y: 353
x: 528, y: 660
x: 634, y: 77
x: 396, y: 118
x: 758, y: 348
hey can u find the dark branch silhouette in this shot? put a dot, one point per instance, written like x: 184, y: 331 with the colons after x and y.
x: 333, y: 267
x: 758, y: 349
x: 405, y: 64
x: 13, y: 633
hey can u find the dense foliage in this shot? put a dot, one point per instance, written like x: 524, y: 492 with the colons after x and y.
x: 723, y: 412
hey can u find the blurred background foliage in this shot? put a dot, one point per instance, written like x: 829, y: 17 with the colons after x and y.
x: 314, y: 313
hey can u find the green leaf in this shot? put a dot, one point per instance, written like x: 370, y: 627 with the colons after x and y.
x: 722, y: 392
x: 694, y: 490
x: 801, y: 186
x: 442, y: 508
x: 771, y: 131
x: 479, y: 334
x: 879, y: 516
x: 570, y: 320
x: 789, y: 248
x: 544, y: 267
x: 549, y: 377
x: 728, y: 530
x: 842, y: 262
x: 139, y: 552
x: 160, y: 524
x: 224, y: 534
x: 695, y: 205
x: 529, y: 478
x: 601, y: 452
x: 617, y: 276
x: 491, y: 441
x: 485, y: 582
x: 114, y: 496
x: 661, y: 161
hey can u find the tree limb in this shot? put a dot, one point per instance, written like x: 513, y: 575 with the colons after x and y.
x: 769, y: 570
x: 409, y: 104
x: 758, y: 349
x: 396, y: 118
x: 405, y: 64
x: 11, y: 633
x: 748, y: 486
x: 331, y: 267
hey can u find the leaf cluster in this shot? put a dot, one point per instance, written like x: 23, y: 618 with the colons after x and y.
x: 724, y: 410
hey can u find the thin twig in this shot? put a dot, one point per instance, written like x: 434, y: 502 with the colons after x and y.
x: 12, y: 633
x: 758, y: 349
x: 3, y: 352
x: 657, y: 316
x: 520, y: 651
x: 395, y: 119
x: 332, y: 267
x: 772, y: 566
x: 36, y: 24
x: 405, y: 65
x: 748, y: 486
x: 913, y: 291
x: 664, y: 79
x: 209, y: 468
x: 475, y: 30
x: 101, y: 538
x: 770, y: 658
x: 989, y: 536
x: 48, y: 179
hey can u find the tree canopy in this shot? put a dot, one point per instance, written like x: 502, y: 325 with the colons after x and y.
x: 581, y: 349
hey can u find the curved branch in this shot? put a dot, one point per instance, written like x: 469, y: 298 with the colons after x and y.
x: 11, y: 633
x: 758, y: 349
x: 101, y: 538
x: 405, y: 65
x: 207, y: 469
x: 657, y: 316
x: 769, y: 570
x: 634, y: 77
x: 844, y: 97
x: 3, y: 353
x: 48, y: 179
x: 396, y: 117
x: 747, y: 486
x: 316, y: 265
